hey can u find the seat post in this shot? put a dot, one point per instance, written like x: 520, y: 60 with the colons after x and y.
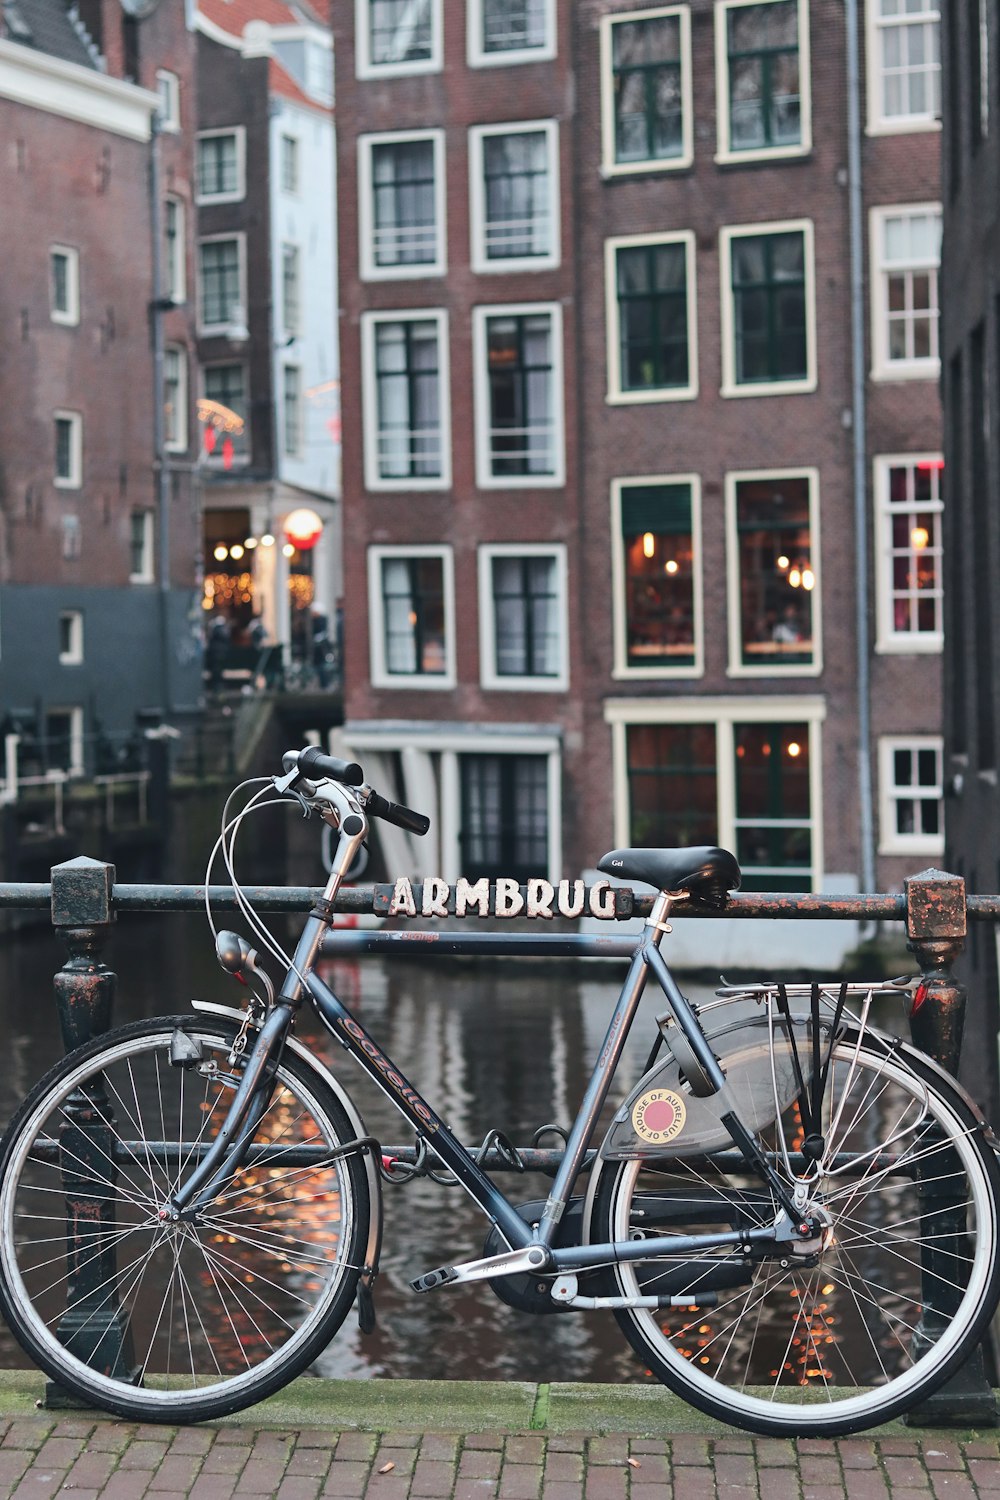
x: 658, y: 920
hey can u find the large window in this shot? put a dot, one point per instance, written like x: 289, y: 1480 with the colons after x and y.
x: 657, y: 583
x: 411, y: 616
x: 651, y: 318
x: 906, y: 253
x: 407, y: 440
x: 68, y: 459
x: 773, y: 573
x: 227, y: 385
x: 908, y: 577
x: 175, y: 398
x: 502, y: 32
x: 221, y: 165
x: 221, y: 298
x: 767, y: 307
x: 64, y: 285
x: 401, y: 219
x: 515, y: 196
x: 646, y: 89
x: 522, y: 616
x: 910, y: 787
x: 174, y: 251
x: 519, y: 441
x: 64, y: 740
x: 762, y: 56
x: 393, y: 37
x: 743, y: 775
x: 904, y: 64
x: 504, y: 816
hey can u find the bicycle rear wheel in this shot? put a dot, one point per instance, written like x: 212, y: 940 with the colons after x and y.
x: 175, y: 1322
x: 859, y: 1332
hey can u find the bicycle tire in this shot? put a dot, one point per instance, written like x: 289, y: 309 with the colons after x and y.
x: 255, y: 1288
x: 853, y: 1341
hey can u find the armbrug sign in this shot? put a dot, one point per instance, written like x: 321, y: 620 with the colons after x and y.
x: 538, y: 899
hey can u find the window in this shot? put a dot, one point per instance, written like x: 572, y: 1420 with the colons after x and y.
x: 904, y: 65
x: 742, y: 773
x: 762, y: 79
x: 515, y: 196
x: 175, y: 398
x: 405, y: 368
x: 291, y: 392
x: 72, y: 538
x: 221, y: 165
x: 169, y: 89
x: 227, y: 385
x: 141, y: 546
x: 502, y: 32
x: 651, y: 318
x: 906, y: 253
x: 656, y: 558
x: 174, y: 251
x: 64, y: 285
x: 768, y: 310
x: 646, y: 90
x: 401, y: 217
x: 222, y: 302
x: 908, y: 572
x: 772, y: 544
x: 522, y: 617
x: 911, y: 807
x: 397, y: 36
x: 289, y: 164
x: 519, y: 437
x: 68, y: 432
x: 64, y: 740
x: 504, y: 816
x: 291, y: 311
x: 411, y: 617
x: 70, y: 638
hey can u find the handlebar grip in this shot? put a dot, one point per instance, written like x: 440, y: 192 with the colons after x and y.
x: 394, y: 812
x: 312, y: 762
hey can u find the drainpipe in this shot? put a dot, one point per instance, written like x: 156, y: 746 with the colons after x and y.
x: 158, y: 305
x: 855, y: 215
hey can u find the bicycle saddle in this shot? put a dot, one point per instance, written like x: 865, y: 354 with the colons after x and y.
x: 709, y: 874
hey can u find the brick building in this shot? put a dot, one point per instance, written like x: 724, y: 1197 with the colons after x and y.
x: 642, y: 461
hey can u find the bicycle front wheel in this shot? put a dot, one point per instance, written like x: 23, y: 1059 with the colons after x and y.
x: 162, y: 1321
x: 871, y: 1322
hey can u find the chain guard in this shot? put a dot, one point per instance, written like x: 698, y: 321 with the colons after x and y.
x: 533, y: 1294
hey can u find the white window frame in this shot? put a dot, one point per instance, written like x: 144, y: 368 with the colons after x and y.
x: 365, y: 67
x: 727, y: 234
x: 616, y: 396
x: 146, y: 573
x: 295, y: 454
x: 72, y: 656
x: 489, y: 677
x: 287, y: 138
x: 180, y: 442
x: 215, y: 460
x: 175, y: 276
x: 208, y: 330
x: 477, y: 57
x: 883, y: 368
x: 609, y: 166
x: 887, y: 639
x: 416, y: 681
x: 619, y: 604
x: 291, y: 327
x: 168, y: 86
x: 481, y: 261
x: 368, y: 270
x: 890, y: 841
x: 369, y: 393
x: 485, y: 479
x: 74, y: 713
x: 725, y: 713
x: 239, y: 192
x: 724, y: 153
x: 69, y: 316
x: 736, y: 667
x: 74, y: 479
x: 877, y: 122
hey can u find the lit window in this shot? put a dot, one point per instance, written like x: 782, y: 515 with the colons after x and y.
x: 908, y: 576
x: 406, y: 438
x: 522, y: 622
x: 906, y: 254
x: 515, y: 197
x: 227, y: 385
x: 904, y: 64
x: 519, y: 391
x: 657, y: 588
x: 64, y: 285
x: 68, y: 432
x: 910, y: 782
x: 401, y: 221
x: 768, y: 310
x: 221, y: 173
x: 646, y: 89
x: 773, y: 574
x: 763, y: 52
x: 651, y: 318
x: 410, y: 590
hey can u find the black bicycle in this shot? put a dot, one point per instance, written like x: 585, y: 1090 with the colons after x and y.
x: 793, y: 1216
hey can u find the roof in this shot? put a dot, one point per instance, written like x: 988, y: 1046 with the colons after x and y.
x: 46, y: 26
x: 235, y: 15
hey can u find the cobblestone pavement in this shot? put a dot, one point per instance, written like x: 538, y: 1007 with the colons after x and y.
x: 86, y: 1459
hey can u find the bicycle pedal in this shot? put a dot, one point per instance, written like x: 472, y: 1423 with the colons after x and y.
x: 432, y: 1279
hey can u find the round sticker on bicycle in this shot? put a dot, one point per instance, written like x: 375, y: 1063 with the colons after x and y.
x: 658, y: 1117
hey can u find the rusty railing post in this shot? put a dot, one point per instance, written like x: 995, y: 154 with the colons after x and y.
x: 936, y: 932
x: 93, y: 1325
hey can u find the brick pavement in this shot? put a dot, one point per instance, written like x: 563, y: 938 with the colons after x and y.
x: 87, y: 1458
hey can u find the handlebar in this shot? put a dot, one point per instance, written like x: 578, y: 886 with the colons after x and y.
x: 395, y: 812
x: 313, y: 763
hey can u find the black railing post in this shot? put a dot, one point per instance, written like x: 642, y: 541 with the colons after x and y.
x: 93, y: 1325
x: 936, y: 932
